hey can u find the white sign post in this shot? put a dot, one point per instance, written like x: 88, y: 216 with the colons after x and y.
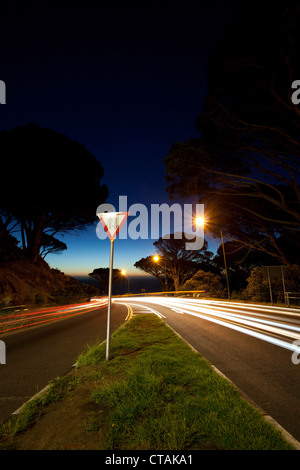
x: 112, y: 222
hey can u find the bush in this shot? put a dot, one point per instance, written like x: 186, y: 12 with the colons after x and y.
x: 258, y: 285
x: 207, y: 281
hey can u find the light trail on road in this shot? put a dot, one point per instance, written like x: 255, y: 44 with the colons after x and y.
x: 25, y: 320
x: 277, y: 325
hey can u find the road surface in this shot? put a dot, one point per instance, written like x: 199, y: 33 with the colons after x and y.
x: 249, y: 344
x: 38, y: 354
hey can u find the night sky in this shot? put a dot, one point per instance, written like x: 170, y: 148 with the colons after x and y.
x: 125, y: 79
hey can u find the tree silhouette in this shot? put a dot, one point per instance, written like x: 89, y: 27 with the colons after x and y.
x: 102, y: 276
x: 245, y: 166
x: 8, y: 244
x: 176, y: 263
x: 50, y: 244
x: 149, y: 266
x: 50, y: 184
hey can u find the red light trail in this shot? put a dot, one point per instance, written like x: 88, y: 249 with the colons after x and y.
x: 56, y: 313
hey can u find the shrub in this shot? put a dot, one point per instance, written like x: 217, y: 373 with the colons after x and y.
x: 207, y: 281
x: 258, y: 288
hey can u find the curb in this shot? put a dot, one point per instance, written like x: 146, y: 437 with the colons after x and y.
x: 288, y: 437
x: 18, y: 411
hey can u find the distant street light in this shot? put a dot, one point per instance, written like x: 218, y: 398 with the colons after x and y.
x: 124, y: 273
x: 201, y: 222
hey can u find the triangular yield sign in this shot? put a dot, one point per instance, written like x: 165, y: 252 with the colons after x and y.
x: 112, y: 222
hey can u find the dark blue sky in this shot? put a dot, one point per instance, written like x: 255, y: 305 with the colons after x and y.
x: 126, y: 79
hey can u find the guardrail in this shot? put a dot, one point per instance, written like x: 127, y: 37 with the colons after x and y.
x: 172, y: 292
x: 291, y: 295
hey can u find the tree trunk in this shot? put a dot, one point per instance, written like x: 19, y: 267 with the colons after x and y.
x: 34, y: 239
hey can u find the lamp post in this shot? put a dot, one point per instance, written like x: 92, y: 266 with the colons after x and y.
x: 201, y: 221
x: 109, y: 297
x: 225, y: 264
x: 156, y: 258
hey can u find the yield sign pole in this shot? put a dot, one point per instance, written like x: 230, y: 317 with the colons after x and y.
x: 112, y: 222
x: 109, y: 296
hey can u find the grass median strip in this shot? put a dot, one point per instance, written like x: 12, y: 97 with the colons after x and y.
x: 156, y: 393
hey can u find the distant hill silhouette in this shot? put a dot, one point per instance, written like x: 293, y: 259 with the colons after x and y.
x: 136, y: 284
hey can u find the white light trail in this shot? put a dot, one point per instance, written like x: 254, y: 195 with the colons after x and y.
x: 224, y: 313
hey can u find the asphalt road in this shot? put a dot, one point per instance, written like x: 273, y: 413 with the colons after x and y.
x: 261, y: 369
x: 38, y: 354
x: 250, y: 346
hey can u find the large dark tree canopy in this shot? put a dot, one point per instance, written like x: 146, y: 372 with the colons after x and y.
x: 249, y: 110
x: 245, y: 166
x: 49, y: 184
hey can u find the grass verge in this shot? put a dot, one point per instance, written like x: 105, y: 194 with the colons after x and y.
x: 156, y: 393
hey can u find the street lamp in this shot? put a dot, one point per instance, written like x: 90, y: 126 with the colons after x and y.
x: 156, y: 259
x: 201, y: 221
x: 123, y: 272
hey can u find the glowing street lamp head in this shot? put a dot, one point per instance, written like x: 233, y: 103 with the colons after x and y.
x: 200, y: 221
